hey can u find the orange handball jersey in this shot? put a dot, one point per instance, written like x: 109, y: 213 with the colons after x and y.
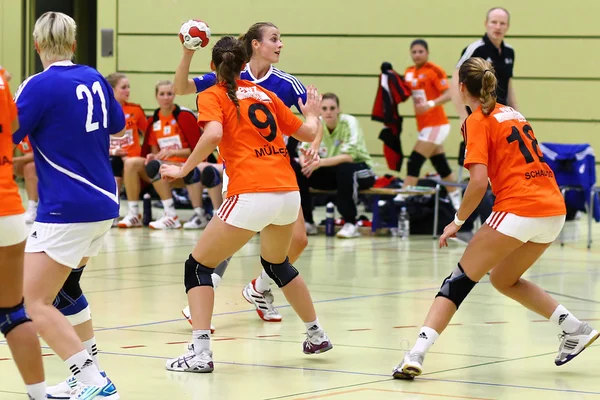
x: 25, y: 145
x: 521, y: 180
x: 135, y: 121
x: 9, y: 192
x: 428, y: 83
x: 252, y: 146
x: 166, y: 134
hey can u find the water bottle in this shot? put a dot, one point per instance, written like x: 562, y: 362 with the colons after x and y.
x: 329, y: 220
x: 403, y: 224
x: 147, y: 206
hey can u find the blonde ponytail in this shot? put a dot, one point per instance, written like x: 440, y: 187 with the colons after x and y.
x: 488, y: 92
x: 478, y: 76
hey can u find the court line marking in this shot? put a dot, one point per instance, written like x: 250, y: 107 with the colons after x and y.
x: 283, y: 306
x: 572, y: 297
x: 287, y: 305
x: 382, y: 375
x: 390, y: 391
x: 423, y: 377
x: 265, y: 338
x: 9, y: 392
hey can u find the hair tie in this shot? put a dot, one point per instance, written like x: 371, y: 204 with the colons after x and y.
x: 487, y: 70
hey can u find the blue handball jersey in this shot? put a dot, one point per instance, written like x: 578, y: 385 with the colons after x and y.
x: 69, y: 111
x: 287, y: 87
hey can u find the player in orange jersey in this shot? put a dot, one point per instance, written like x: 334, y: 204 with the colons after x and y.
x: 430, y: 91
x: 3, y: 72
x: 263, y: 46
x: 246, y: 122
x: 15, y: 325
x: 136, y: 123
x: 24, y: 166
x: 171, y: 135
x: 527, y: 216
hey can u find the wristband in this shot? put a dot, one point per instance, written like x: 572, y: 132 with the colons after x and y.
x: 457, y: 221
x: 431, y: 103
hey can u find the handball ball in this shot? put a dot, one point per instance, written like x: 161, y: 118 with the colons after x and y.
x: 194, y: 34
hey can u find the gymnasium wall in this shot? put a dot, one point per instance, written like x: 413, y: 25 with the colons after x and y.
x: 339, y: 45
x: 11, y: 47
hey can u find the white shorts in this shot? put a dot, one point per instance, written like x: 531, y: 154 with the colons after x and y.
x: 255, y: 211
x: 13, y: 230
x: 527, y: 229
x: 67, y: 244
x: 434, y: 134
x: 225, y: 182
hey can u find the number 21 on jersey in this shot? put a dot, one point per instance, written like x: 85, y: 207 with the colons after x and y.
x: 82, y: 90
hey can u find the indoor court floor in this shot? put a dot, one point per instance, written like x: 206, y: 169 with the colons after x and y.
x: 371, y: 295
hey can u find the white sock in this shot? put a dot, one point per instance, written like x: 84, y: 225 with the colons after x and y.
x: 201, y: 340
x: 427, y: 338
x: 263, y: 282
x: 565, y: 320
x: 37, y: 391
x: 90, y: 347
x: 32, y: 205
x: 199, y: 211
x: 169, y: 207
x: 134, y: 207
x: 83, y: 368
x: 216, y: 280
x: 313, y: 327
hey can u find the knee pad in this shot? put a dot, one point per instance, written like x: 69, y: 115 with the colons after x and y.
x: 440, y: 163
x: 192, y: 177
x: 282, y: 274
x: 415, y: 162
x: 12, y: 317
x: 71, y: 301
x: 210, y: 177
x: 456, y: 286
x: 117, y: 166
x: 152, y: 170
x: 196, y: 274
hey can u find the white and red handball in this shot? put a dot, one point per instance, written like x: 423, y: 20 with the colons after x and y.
x: 194, y: 34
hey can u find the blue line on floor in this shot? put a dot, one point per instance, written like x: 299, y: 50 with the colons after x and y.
x: 369, y: 374
x: 316, y: 302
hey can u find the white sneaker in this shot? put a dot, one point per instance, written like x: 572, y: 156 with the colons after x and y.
x: 455, y: 199
x: 130, y: 221
x: 197, y: 221
x: 66, y: 389
x: 411, y: 366
x: 30, y: 215
x: 63, y: 390
x: 192, y: 362
x: 262, y: 301
x: 311, y: 229
x: 316, y: 343
x: 574, y: 343
x: 348, y: 231
x: 89, y: 392
x: 166, y: 222
x: 188, y: 315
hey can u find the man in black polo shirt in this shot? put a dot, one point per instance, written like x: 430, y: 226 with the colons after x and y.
x: 490, y: 47
x: 493, y: 49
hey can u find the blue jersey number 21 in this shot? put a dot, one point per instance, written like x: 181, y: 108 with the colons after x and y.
x: 96, y: 89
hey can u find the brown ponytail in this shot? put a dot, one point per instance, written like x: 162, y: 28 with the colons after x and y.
x: 478, y: 76
x: 229, y: 56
